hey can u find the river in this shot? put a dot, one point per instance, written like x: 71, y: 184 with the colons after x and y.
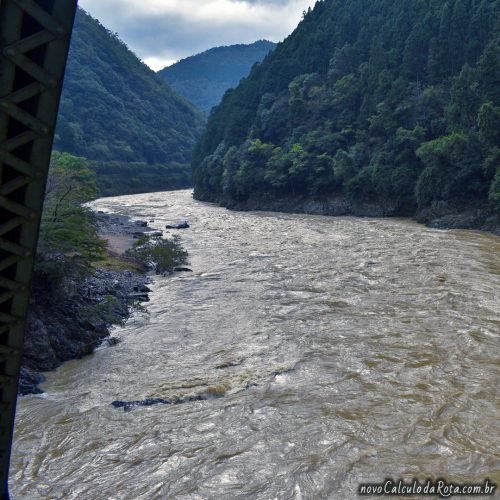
x: 331, y: 351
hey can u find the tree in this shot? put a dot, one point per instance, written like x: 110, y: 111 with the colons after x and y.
x: 277, y: 167
x: 458, y: 33
x: 68, y: 241
x: 164, y: 254
x: 442, y: 158
x: 494, y: 193
x: 465, y: 99
x: 488, y: 120
x: 488, y: 70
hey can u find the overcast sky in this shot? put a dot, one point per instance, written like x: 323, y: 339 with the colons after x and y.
x: 161, y: 32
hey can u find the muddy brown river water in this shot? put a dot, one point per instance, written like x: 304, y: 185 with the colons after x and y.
x: 331, y: 351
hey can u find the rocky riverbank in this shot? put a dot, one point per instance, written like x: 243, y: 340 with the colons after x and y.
x: 70, y: 321
x: 441, y: 216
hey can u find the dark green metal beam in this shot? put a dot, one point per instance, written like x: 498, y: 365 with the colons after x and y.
x: 34, y: 43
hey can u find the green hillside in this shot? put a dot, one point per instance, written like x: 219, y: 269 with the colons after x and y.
x: 119, y: 114
x: 203, y: 78
x: 384, y: 102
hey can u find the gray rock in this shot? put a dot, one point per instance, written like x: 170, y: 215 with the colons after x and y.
x: 29, y: 380
x: 182, y: 225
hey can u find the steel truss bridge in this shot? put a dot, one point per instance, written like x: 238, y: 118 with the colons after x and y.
x: 34, y: 43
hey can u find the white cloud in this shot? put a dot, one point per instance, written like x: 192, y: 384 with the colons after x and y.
x: 163, y: 31
x: 157, y: 63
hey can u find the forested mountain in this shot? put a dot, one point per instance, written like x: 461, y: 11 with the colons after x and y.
x: 389, y: 102
x: 115, y: 111
x: 203, y: 78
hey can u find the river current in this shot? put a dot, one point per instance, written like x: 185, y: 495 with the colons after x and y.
x: 331, y: 352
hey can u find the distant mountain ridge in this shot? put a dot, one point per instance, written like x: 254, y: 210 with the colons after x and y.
x: 119, y: 114
x: 204, y: 78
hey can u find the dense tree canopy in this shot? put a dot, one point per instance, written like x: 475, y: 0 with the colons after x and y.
x: 115, y: 109
x: 203, y: 78
x: 387, y: 101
